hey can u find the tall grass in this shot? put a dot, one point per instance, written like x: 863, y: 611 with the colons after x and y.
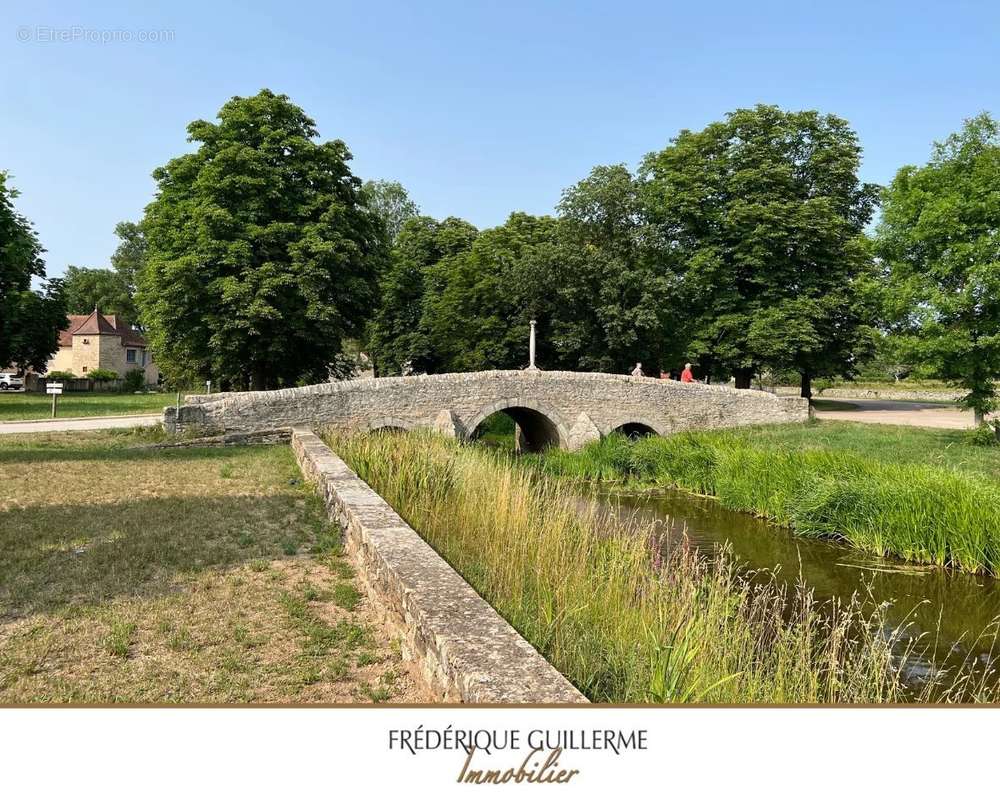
x: 596, y: 598
x: 926, y: 514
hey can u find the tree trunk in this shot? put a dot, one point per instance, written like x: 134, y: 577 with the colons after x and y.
x: 257, y: 380
x: 807, y: 391
x: 743, y: 378
x: 978, y: 416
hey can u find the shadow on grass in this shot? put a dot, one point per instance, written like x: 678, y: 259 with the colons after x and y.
x: 62, y: 555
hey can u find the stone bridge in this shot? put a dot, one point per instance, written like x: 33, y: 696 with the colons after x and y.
x: 564, y: 409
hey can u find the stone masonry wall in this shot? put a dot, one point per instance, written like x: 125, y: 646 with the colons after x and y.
x: 465, y: 650
x: 582, y: 406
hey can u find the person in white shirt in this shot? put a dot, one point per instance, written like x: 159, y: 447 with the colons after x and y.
x: 637, y: 372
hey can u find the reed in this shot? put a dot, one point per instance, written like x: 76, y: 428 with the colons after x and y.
x: 600, y: 601
x: 922, y: 513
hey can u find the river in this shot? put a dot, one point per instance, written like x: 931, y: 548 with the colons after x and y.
x: 951, y: 610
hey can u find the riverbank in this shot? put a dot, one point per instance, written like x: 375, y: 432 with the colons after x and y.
x: 600, y: 600
x: 928, y: 497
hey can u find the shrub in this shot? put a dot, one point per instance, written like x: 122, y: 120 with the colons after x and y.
x: 103, y: 375
x: 985, y: 435
x: 135, y: 380
x: 60, y: 375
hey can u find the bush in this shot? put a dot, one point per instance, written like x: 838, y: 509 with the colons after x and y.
x: 135, y: 380
x: 103, y: 375
x: 60, y: 375
x: 985, y: 435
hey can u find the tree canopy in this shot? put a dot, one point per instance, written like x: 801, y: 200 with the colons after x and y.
x: 764, y: 215
x: 130, y: 255
x: 940, y: 240
x: 260, y: 253
x: 30, y: 320
x: 86, y: 289
x: 391, y: 204
x: 399, y: 337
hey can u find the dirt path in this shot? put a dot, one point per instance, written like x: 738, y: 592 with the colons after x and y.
x: 79, y: 424
x: 898, y: 412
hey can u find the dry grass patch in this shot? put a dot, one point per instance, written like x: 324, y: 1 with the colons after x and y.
x: 190, y: 575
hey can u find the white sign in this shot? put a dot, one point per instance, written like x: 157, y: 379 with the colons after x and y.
x: 53, y: 388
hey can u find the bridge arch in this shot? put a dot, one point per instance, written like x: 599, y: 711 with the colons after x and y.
x: 633, y: 426
x: 384, y: 424
x: 540, y: 425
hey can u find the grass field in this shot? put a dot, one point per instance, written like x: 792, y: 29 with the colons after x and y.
x: 596, y: 597
x: 924, y: 495
x: 179, y: 575
x: 32, y: 405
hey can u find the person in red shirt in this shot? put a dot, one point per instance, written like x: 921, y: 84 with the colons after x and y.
x: 687, y: 376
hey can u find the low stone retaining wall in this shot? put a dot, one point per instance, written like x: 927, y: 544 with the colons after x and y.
x: 465, y: 650
x: 859, y: 393
x: 911, y: 395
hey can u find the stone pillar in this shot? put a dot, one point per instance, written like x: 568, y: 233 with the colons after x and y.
x: 447, y: 424
x: 583, y: 432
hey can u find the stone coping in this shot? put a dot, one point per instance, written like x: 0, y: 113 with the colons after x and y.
x: 537, y: 376
x: 464, y: 649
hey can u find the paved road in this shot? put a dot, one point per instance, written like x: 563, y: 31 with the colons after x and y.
x: 898, y: 412
x: 79, y: 424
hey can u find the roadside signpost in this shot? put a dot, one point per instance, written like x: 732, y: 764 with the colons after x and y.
x: 54, y: 389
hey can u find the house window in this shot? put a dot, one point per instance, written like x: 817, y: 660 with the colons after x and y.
x: 142, y: 358
x: 85, y: 369
x: 130, y: 356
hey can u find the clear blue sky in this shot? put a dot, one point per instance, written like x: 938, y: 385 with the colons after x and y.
x: 478, y: 108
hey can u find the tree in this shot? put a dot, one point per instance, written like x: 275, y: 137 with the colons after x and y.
x: 940, y: 239
x: 130, y: 255
x: 479, y: 302
x: 261, y: 256
x: 391, y: 204
x: 87, y: 289
x: 763, y: 214
x: 30, y: 320
x: 617, y: 298
x: 398, y: 337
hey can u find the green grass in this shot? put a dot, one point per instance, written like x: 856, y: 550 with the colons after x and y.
x: 31, y: 405
x: 593, y: 596
x: 137, y: 575
x: 926, y: 496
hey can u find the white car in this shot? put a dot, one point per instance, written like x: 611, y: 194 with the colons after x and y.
x: 8, y: 380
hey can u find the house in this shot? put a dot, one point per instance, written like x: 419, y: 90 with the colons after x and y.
x: 102, y: 341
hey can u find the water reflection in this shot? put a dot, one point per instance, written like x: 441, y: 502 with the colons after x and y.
x: 953, y: 609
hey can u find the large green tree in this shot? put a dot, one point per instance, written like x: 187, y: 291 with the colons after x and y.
x: 391, y: 204
x: 399, y: 338
x: 87, y: 289
x: 260, y: 253
x: 940, y: 240
x: 30, y: 319
x: 617, y: 294
x: 130, y: 255
x: 763, y: 215
x: 479, y: 302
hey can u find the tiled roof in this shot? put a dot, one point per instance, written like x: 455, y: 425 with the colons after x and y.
x: 97, y: 324
x: 94, y: 324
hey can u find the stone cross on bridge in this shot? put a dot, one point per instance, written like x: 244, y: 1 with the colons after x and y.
x: 564, y: 409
